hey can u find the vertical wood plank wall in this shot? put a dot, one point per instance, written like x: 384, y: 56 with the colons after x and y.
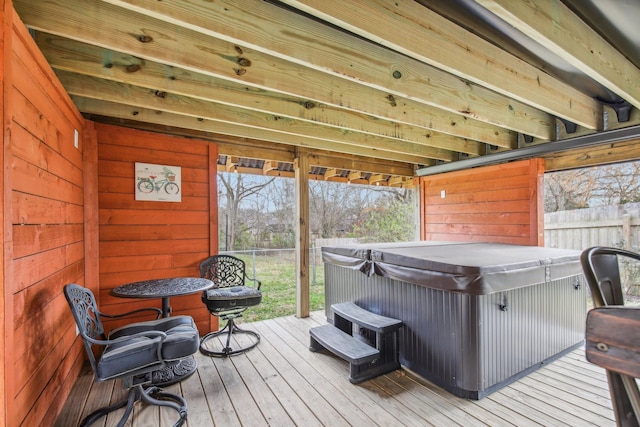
x: 141, y: 240
x: 43, y: 233
x: 500, y: 204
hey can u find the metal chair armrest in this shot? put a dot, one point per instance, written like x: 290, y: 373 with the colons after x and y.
x: 145, y: 334
x: 253, y: 279
x: 128, y: 313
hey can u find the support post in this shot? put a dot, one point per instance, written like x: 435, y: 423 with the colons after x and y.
x: 301, y: 166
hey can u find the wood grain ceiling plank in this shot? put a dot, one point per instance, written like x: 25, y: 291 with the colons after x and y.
x: 558, y: 29
x: 593, y: 156
x: 70, y: 55
x: 125, y: 111
x: 407, y: 27
x: 106, y: 25
x: 267, y: 150
x: 290, y: 36
x: 96, y: 88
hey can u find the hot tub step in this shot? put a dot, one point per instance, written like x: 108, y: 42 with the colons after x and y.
x: 371, y: 352
x: 365, y: 318
x: 364, y: 362
x: 342, y: 345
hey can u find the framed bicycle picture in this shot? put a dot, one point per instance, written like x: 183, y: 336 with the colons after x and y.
x: 158, y: 183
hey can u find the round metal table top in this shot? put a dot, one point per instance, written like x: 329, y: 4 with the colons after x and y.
x: 160, y: 288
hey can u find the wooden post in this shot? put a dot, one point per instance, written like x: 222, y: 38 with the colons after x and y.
x: 301, y: 166
x: 214, y: 323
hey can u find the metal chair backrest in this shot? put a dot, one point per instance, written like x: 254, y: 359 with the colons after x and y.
x: 224, y: 271
x: 602, y: 271
x: 85, y: 312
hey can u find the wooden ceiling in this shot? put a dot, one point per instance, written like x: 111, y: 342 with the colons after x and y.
x: 376, y: 87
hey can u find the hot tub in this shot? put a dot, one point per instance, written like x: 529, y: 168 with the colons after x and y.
x: 477, y: 316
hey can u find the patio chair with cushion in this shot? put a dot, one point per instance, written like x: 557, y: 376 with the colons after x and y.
x: 132, y: 352
x: 228, y: 299
x: 605, y: 344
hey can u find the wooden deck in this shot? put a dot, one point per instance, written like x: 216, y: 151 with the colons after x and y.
x: 282, y: 383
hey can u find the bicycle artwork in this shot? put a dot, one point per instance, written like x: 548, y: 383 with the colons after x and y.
x: 158, y: 182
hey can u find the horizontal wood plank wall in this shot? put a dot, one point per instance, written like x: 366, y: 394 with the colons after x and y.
x: 142, y: 240
x: 500, y: 204
x: 44, y: 246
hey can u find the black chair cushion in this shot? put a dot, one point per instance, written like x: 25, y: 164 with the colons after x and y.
x: 182, y: 341
x: 218, y: 299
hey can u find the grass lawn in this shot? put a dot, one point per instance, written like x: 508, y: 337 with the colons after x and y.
x: 277, y: 274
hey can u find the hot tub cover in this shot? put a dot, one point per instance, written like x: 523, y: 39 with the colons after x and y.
x: 472, y: 268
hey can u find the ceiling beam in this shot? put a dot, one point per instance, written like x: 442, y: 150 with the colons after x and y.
x: 124, y: 111
x: 286, y: 34
x: 147, y: 38
x: 438, y: 125
x: 265, y: 150
x: 269, y: 166
x: 330, y: 173
x: 89, y: 87
x: 616, y: 152
x: 541, y: 150
x: 408, y: 27
x: 557, y: 28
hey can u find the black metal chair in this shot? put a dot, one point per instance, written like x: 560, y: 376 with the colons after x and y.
x: 132, y: 352
x: 601, y: 267
x: 227, y: 300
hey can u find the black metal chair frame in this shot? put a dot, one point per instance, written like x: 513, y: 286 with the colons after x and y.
x: 227, y: 271
x: 89, y: 322
x: 601, y: 269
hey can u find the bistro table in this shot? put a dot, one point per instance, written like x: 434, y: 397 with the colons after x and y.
x: 166, y: 288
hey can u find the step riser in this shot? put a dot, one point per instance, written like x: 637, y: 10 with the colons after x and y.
x: 366, y: 361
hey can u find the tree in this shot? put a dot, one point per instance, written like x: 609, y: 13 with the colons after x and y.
x: 390, y: 220
x: 236, y: 189
x: 618, y: 183
x: 256, y: 211
x: 605, y: 185
x: 281, y: 218
x: 568, y: 190
x: 335, y: 207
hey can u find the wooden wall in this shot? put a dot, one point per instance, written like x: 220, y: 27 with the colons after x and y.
x: 43, y: 232
x: 70, y: 216
x: 501, y: 204
x: 141, y: 240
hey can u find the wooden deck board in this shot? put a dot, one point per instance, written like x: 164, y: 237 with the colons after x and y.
x: 366, y: 396
x: 281, y: 382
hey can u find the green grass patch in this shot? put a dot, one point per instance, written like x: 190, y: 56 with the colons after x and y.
x: 278, y: 276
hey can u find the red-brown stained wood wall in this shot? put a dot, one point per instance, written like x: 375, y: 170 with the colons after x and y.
x: 43, y: 232
x: 500, y: 204
x: 5, y: 49
x: 70, y: 216
x: 142, y: 240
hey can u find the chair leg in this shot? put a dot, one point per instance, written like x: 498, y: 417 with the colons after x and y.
x: 129, y: 401
x: 229, y: 329
x: 155, y: 396
x: 151, y: 395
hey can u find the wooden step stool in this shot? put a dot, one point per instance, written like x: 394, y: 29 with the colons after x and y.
x: 371, y: 352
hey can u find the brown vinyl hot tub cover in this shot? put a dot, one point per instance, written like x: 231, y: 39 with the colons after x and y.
x: 470, y: 268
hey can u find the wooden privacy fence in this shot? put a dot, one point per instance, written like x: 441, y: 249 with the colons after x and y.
x: 615, y: 226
